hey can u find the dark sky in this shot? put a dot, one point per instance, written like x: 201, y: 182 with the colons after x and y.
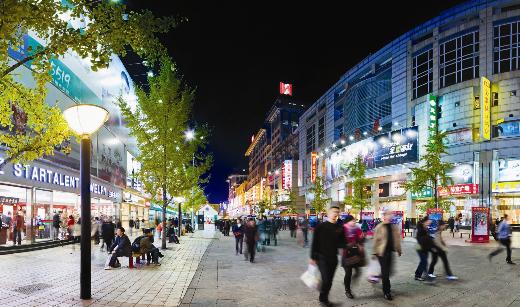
x: 236, y: 52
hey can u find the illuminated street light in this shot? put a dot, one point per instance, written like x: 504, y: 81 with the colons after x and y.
x: 84, y: 120
x: 351, y: 137
x: 189, y: 135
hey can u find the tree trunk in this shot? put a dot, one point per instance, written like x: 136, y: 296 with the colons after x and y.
x: 435, y: 194
x: 164, y: 231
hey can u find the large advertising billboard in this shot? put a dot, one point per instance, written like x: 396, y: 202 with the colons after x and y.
x: 392, y: 148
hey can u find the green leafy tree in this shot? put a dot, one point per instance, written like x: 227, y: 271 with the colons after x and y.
x: 170, y: 164
x: 194, y: 198
x: 291, y: 205
x: 94, y: 30
x: 432, y: 173
x: 320, y: 201
x: 361, y: 196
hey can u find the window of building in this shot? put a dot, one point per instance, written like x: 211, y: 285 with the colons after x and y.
x: 458, y: 59
x: 422, y: 73
x: 321, y: 131
x: 311, y: 139
x: 505, y: 47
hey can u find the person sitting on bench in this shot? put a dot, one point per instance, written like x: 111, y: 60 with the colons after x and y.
x: 149, y: 249
x: 120, y: 248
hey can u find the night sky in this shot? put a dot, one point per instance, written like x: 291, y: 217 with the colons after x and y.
x: 236, y: 53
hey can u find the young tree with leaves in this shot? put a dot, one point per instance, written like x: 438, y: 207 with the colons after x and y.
x: 360, y: 196
x: 320, y: 200
x: 194, y: 198
x: 93, y: 30
x: 170, y: 164
x: 432, y: 173
x: 293, y: 198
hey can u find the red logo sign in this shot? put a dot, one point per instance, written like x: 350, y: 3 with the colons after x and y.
x: 458, y: 189
x: 286, y: 89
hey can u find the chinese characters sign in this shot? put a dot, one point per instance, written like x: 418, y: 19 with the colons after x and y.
x: 287, y: 174
x: 485, y: 109
x: 458, y: 189
x: 314, y: 166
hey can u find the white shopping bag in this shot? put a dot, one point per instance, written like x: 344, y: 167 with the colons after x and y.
x: 312, y: 277
x: 107, y: 262
x: 374, y: 270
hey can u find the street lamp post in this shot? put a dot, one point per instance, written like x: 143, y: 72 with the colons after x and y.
x: 84, y: 120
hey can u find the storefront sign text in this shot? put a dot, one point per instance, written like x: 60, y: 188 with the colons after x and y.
x: 485, y: 108
x: 458, y: 189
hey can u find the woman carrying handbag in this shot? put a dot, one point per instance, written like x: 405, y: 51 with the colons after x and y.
x: 353, y: 254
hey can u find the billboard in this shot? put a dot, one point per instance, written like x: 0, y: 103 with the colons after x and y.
x: 392, y: 148
x: 314, y: 166
x: 286, y: 89
x: 287, y: 175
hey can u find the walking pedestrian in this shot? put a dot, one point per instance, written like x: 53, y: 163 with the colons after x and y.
x: 441, y: 248
x: 304, y: 226
x: 56, y: 225
x: 456, y: 224
x: 387, y: 239
x: 18, y: 224
x: 353, y: 254
x: 70, y: 227
x: 504, y: 237
x: 107, y: 231
x: 292, y: 227
x: 251, y: 233
x: 131, y: 225
x: 451, y: 223
x: 425, y: 246
x: 328, y: 237
x: 238, y: 232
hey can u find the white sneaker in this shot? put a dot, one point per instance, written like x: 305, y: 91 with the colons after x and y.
x: 108, y: 268
x: 432, y: 276
x: 451, y: 277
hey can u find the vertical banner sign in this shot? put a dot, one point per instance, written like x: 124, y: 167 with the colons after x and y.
x: 432, y: 119
x: 300, y: 173
x: 485, y: 109
x: 314, y: 166
x: 435, y: 216
x: 480, y: 225
x: 287, y: 175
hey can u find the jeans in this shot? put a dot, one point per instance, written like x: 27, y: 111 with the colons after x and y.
x: 17, y: 236
x: 239, y: 241
x: 348, y: 276
x: 386, y: 267
x: 423, y: 263
x: 507, y: 244
x: 305, y: 231
x: 251, y: 248
x: 327, y: 268
x: 442, y: 254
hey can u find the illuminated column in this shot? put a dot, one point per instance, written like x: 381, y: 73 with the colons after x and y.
x: 374, y: 200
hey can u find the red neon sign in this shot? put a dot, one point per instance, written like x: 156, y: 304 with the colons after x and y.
x: 458, y: 189
x: 286, y: 89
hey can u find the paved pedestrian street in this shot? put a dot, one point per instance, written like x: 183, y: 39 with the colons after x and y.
x: 204, y: 271
x: 224, y: 279
x: 51, y: 277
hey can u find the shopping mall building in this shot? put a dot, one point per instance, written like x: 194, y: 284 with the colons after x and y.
x: 51, y: 185
x: 462, y: 69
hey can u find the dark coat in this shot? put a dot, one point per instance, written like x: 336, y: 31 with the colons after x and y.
x: 251, y: 233
x: 423, y: 238
x: 123, y: 244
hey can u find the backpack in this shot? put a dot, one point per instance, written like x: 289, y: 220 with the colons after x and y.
x: 136, y: 245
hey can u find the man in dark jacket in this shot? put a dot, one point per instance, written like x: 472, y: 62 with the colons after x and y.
x: 292, y: 227
x: 56, y: 225
x: 251, y: 233
x: 120, y: 248
x: 328, y: 237
x: 238, y: 232
x: 425, y: 246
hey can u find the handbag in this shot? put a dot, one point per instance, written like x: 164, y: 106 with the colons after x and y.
x: 353, y: 256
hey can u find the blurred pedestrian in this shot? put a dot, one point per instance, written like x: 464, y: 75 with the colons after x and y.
x: 238, y: 232
x: 353, y: 253
x: 441, y: 249
x: 328, y: 237
x: 292, y: 227
x: 451, y: 223
x: 70, y: 227
x: 251, y: 233
x: 18, y: 224
x: 387, y: 239
x: 425, y: 246
x: 108, y: 233
x: 304, y: 226
x: 504, y: 237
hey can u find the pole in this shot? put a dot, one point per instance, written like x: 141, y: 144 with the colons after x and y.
x: 180, y: 219
x: 85, y: 267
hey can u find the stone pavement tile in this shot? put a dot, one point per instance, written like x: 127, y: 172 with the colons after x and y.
x: 114, y: 287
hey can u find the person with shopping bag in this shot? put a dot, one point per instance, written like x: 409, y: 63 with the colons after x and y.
x: 387, y: 239
x: 353, y: 253
x: 328, y: 238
